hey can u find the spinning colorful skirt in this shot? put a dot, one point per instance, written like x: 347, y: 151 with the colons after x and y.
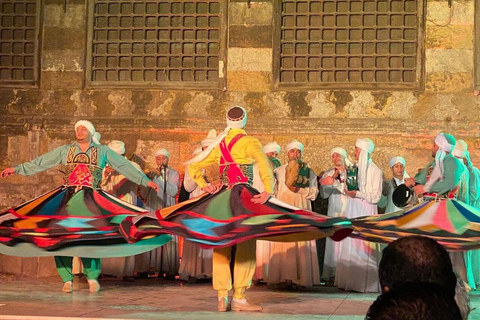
x: 77, y: 219
x: 229, y: 217
x: 450, y: 222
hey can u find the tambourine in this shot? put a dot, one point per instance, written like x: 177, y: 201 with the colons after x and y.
x: 402, y: 196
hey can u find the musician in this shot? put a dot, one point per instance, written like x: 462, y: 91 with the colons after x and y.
x: 332, y: 188
x: 357, y: 261
x: 295, y: 263
x: 400, y: 176
x: 165, y: 259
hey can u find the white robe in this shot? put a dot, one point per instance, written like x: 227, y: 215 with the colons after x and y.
x: 263, y: 247
x: 295, y: 261
x: 337, y: 204
x: 196, y: 262
x: 357, y: 264
x: 163, y: 259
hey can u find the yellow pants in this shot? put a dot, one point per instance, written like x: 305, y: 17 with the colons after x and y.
x: 243, y: 269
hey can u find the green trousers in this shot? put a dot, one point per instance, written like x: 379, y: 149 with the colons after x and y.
x: 91, y: 268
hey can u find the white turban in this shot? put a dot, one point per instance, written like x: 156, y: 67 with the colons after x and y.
x: 162, y: 152
x: 209, y: 139
x: 197, y: 151
x: 396, y: 160
x: 343, y: 153
x: 340, y: 151
x: 365, y: 144
x: 366, y: 148
x: 294, y: 144
x: 235, y: 121
x: 87, y: 124
x: 117, y: 146
x: 446, y: 144
x: 401, y: 160
x: 272, y: 147
x: 460, y: 149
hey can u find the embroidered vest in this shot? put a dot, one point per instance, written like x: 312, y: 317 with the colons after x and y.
x: 83, y: 170
x: 230, y: 171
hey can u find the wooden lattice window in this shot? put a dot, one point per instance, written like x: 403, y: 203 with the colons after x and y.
x: 19, y: 33
x: 349, y: 43
x: 160, y: 43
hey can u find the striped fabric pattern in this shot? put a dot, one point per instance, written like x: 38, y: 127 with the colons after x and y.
x: 230, y: 217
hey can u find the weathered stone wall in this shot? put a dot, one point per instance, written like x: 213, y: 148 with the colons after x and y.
x: 35, y: 121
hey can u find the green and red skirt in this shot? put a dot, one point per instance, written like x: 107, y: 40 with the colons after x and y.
x: 68, y: 221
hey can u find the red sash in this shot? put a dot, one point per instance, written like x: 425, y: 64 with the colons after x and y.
x: 228, y: 165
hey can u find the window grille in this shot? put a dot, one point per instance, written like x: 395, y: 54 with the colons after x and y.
x: 19, y: 31
x: 157, y: 42
x: 350, y: 43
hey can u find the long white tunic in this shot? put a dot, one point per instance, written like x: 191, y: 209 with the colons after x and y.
x: 295, y: 261
x: 337, y: 204
x: 163, y: 259
x: 357, y: 264
x: 196, y: 262
x: 263, y: 247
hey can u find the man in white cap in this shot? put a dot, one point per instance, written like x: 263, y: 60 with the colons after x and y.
x: 196, y: 262
x: 119, y: 186
x: 445, y: 178
x: 357, y: 264
x: 472, y: 256
x: 332, y: 188
x: 463, y: 189
x: 294, y: 262
x: 465, y: 261
x: 244, y: 151
x: 271, y: 150
x: 400, y: 176
x: 85, y: 151
x: 165, y: 259
x: 441, y: 176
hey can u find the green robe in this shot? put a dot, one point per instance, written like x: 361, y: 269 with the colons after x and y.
x: 452, y: 173
x: 105, y: 155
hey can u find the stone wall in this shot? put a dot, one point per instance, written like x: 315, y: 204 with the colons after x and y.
x: 34, y: 121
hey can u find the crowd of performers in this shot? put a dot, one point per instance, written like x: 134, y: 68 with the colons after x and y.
x: 238, y: 202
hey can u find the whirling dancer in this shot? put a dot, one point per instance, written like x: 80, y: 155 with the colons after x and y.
x: 440, y: 215
x: 78, y: 218
x: 234, y: 212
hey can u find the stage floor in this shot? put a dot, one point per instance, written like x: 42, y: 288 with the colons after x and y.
x: 42, y: 298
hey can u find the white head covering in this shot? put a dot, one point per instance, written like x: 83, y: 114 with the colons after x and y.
x: 87, y: 124
x: 272, y: 147
x: 233, y: 122
x: 294, y: 144
x: 366, y: 146
x: 460, y: 149
x: 197, y: 151
x: 446, y: 144
x: 117, y: 146
x: 343, y: 153
x: 162, y: 151
x: 401, y: 160
x: 209, y: 139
